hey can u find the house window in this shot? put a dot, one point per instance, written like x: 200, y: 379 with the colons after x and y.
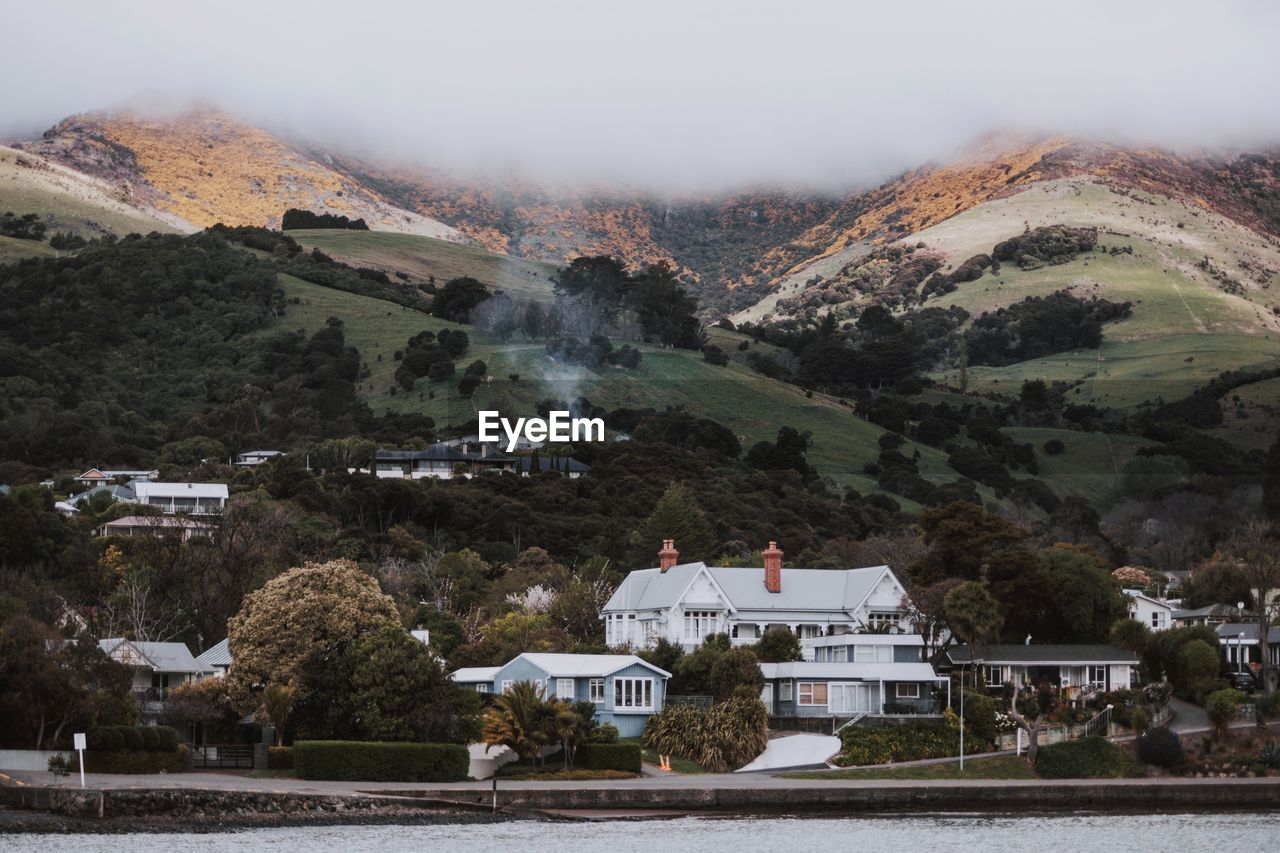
x: 873, y: 654
x: 839, y: 654
x: 564, y: 688
x: 808, y: 632
x: 1098, y: 676
x: 699, y: 624
x: 506, y: 685
x: 883, y: 620
x: 160, y: 683
x: 1157, y: 619
x: 636, y: 693
x: 907, y: 691
x: 784, y: 691
x: 595, y: 690
x: 812, y: 693
x: 994, y: 676
x: 482, y: 687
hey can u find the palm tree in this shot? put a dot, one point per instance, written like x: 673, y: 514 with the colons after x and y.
x: 277, y: 703
x: 568, y: 727
x: 514, y: 721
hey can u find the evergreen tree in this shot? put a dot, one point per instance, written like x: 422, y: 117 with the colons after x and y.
x: 677, y: 516
x: 1271, y: 482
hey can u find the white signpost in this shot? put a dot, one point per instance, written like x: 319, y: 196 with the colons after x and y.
x: 80, y: 747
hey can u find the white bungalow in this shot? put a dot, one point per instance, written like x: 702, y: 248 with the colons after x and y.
x: 189, y: 498
x: 155, y: 526
x: 1079, y: 669
x: 98, y: 476
x: 687, y: 602
x: 158, y: 667
x: 1152, y: 612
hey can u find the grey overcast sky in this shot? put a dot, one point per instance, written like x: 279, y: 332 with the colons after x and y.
x: 660, y: 93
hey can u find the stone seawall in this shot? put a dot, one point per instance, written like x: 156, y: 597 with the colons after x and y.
x: 992, y: 797
x: 198, y: 803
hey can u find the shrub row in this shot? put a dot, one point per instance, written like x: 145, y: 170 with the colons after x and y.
x: 150, y: 738
x: 372, y: 761
x: 1090, y: 758
x: 280, y: 758
x: 609, y: 756
x: 177, y: 760
x: 906, y: 742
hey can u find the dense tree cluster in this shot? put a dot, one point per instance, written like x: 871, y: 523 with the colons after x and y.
x: 596, y: 292
x: 28, y: 226
x: 295, y: 218
x: 1040, y: 326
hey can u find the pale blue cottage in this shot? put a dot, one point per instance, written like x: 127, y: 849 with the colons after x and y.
x: 625, y: 689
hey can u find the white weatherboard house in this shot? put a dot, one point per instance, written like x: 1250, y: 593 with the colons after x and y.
x: 1152, y: 612
x: 1080, y: 669
x: 190, y: 498
x: 686, y: 602
x: 216, y: 660
x: 625, y: 689
x: 158, y: 667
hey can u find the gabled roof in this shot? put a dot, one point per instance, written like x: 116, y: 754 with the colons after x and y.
x: 804, y: 591
x: 475, y: 674
x: 578, y: 666
x: 1137, y: 593
x: 1044, y: 654
x: 841, y: 671
x: 181, y: 490
x: 161, y: 657
x: 214, y: 656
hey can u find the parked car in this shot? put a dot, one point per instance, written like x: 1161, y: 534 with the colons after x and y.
x: 1244, y: 681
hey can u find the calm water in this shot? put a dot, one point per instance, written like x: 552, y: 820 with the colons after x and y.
x: 955, y: 833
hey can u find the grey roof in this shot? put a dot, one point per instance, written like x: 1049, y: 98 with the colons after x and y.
x: 804, y: 591
x: 1044, y: 653
x: 578, y: 666
x: 120, y: 493
x: 1230, y: 631
x: 844, y: 671
x: 161, y: 657
x: 215, y: 656
x: 475, y: 674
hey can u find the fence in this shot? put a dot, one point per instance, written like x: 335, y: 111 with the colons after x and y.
x: 235, y: 757
x: 703, y: 702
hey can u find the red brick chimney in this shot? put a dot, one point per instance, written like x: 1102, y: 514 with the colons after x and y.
x: 773, y: 568
x: 668, y: 556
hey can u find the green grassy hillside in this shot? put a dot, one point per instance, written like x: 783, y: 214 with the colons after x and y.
x: 748, y: 403
x: 1185, y: 327
x: 425, y: 257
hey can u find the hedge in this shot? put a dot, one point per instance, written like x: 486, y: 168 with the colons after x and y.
x: 372, y: 761
x: 608, y: 756
x: 280, y: 758
x: 135, y: 761
x: 150, y: 738
x: 1090, y: 758
x: 906, y: 742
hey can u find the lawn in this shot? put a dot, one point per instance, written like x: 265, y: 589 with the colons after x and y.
x: 425, y: 257
x: 999, y: 767
x: 678, y: 765
x: 1090, y: 465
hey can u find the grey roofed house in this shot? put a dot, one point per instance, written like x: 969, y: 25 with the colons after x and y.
x: 1237, y: 648
x: 687, y: 602
x: 1081, y: 670
x: 159, y: 657
x: 124, y: 494
x: 1211, y: 614
x: 216, y: 658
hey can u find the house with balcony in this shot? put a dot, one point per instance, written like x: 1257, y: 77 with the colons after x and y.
x: 1240, y: 648
x: 625, y: 689
x: 185, y: 498
x: 1079, y: 671
x: 158, y: 668
x: 687, y: 602
x: 440, y: 461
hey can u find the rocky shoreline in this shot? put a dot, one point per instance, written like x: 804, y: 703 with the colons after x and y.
x: 14, y: 821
